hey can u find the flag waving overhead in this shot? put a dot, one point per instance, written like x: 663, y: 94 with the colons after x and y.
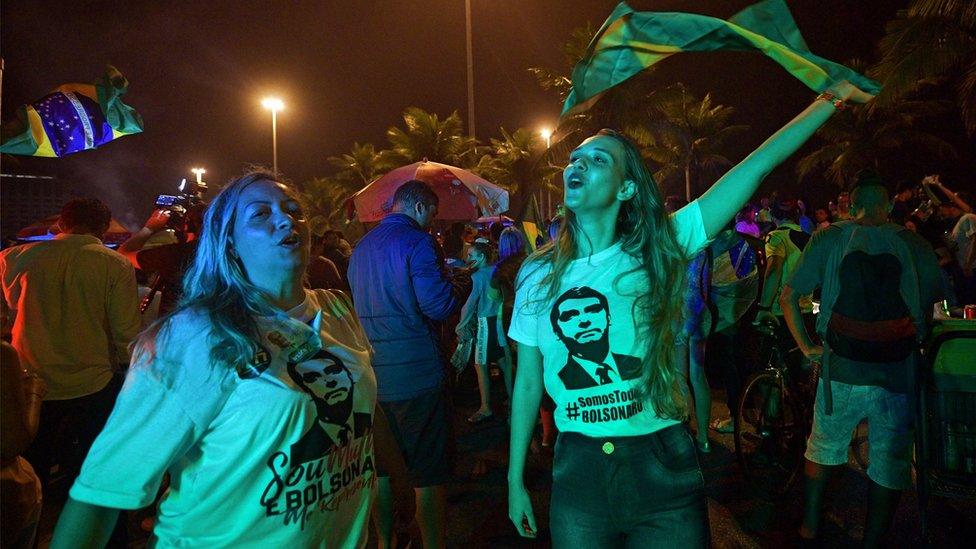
x: 73, y: 118
x: 629, y: 42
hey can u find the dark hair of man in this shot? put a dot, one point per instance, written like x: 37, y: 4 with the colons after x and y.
x: 580, y: 292
x: 786, y: 209
x: 329, y: 239
x: 870, y: 193
x: 411, y: 193
x: 90, y: 213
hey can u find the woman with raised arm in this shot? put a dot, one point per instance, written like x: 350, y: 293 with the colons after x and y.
x: 255, y: 395
x: 596, y: 317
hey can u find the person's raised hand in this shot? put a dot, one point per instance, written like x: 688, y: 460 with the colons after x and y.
x: 520, y: 511
x: 158, y: 220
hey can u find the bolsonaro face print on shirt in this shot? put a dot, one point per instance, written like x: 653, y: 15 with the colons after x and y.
x: 580, y: 318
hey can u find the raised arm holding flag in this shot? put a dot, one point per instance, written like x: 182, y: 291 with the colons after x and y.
x: 595, y: 310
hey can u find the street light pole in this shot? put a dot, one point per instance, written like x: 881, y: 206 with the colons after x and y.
x: 274, y: 141
x: 546, y: 134
x: 274, y: 105
x: 467, y: 36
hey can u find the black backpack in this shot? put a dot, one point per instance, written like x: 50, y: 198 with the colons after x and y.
x: 870, y: 321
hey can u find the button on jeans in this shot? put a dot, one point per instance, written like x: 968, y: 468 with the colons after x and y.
x: 647, y: 492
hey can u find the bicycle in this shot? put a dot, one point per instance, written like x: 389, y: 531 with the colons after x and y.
x: 774, y: 418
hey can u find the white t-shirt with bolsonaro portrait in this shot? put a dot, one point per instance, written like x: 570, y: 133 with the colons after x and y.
x: 588, y: 338
x: 280, y: 456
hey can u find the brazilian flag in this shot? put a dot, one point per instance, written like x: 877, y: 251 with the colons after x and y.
x: 532, y: 223
x: 629, y: 42
x: 73, y: 118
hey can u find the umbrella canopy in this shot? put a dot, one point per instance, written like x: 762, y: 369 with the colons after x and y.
x: 463, y: 195
x: 495, y: 219
x: 46, y: 228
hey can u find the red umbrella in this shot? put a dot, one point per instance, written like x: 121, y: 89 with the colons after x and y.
x: 46, y: 228
x: 495, y: 219
x: 462, y: 195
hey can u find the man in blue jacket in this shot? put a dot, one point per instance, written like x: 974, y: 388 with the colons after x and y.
x: 400, y: 290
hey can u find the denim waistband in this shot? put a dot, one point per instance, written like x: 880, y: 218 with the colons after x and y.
x: 578, y: 439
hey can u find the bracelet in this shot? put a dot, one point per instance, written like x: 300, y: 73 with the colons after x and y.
x: 762, y: 308
x: 829, y: 97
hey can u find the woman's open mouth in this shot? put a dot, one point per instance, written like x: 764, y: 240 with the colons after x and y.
x: 291, y: 241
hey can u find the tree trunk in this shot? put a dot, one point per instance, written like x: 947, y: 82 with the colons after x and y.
x: 688, y: 182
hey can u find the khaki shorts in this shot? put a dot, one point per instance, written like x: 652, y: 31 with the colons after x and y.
x: 890, y: 431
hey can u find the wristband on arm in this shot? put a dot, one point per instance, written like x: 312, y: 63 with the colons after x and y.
x: 829, y: 97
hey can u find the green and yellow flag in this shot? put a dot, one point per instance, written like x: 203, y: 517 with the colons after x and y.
x: 629, y: 42
x: 532, y: 222
x: 72, y: 118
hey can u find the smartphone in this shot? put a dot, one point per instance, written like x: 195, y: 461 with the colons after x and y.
x: 166, y: 200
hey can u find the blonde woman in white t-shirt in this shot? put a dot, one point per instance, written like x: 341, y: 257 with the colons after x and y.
x: 596, y: 317
x: 255, y: 395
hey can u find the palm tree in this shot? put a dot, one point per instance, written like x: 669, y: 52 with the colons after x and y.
x: 426, y: 136
x: 517, y: 162
x: 685, y: 137
x: 360, y: 166
x: 573, y: 51
x: 325, y: 198
x: 627, y: 104
x: 862, y: 137
x: 933, y: 41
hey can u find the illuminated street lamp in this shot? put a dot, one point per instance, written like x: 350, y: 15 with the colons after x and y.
x: 274, y: 105
x: 199, y: 173
x: 546, y: 134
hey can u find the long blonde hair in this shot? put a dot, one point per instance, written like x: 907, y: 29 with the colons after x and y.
x: 216, y: 287
x: 645, y: 231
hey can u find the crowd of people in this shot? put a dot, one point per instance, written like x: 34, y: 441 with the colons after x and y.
x: 291, y: 381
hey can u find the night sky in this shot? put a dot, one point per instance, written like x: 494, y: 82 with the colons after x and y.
x: 346, y: 70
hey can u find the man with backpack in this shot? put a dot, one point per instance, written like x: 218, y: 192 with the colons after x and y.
x: 878, y: 283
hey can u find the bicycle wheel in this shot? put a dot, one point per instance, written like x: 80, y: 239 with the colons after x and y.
x: 769, y: 435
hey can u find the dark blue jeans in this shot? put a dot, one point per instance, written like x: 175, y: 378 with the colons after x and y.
x: 645, y: 491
